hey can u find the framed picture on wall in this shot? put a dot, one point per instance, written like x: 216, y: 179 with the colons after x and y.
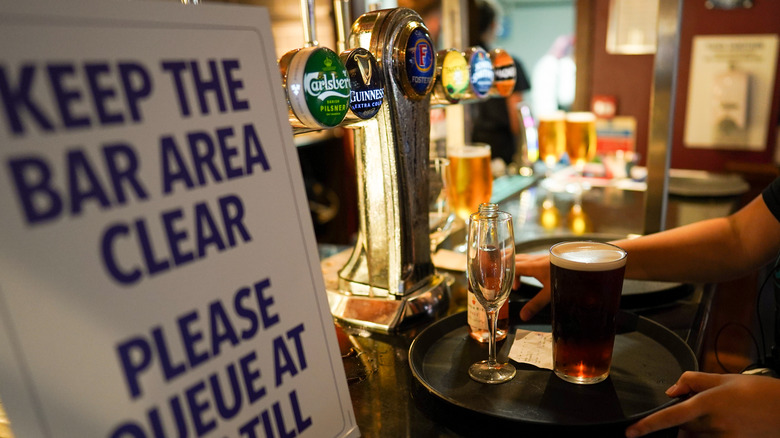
x: 631, y: 29
x: 732, y: 79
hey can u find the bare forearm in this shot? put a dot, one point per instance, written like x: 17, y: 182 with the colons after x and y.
x: 712, y: 250
x: 686, y: 254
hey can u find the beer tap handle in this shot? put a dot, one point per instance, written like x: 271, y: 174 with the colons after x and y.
x: 315, y: 81
x: 307, y: 17
x: 341, y: 11
x: 368, y: 85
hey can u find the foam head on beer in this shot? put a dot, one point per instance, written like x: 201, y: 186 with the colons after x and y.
x: 587, y: 256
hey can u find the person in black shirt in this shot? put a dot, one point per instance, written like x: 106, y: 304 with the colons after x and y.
x: 495, y: 120
x: 712, y: 250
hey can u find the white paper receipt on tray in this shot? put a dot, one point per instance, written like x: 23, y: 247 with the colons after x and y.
x: 534, y: 348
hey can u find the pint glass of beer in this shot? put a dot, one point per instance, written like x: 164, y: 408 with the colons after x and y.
x: 470, y: 178
x: 580, y: 138
x: 552, y: 137
x: 587, y: 281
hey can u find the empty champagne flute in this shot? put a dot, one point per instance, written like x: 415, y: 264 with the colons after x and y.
x: 490, y: 256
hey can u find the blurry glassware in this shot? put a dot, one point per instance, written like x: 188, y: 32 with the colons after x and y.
x: 616, y: 164
x: 491, y: 270
x: 440, y: 216
x: 470, y: 178
x: 580, y: 138
x: 550, y: 216
x: 552, y: 139
x: 579, y: 222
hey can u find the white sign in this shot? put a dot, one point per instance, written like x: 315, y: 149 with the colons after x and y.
x: 730, y: 91
x: 159, y: 275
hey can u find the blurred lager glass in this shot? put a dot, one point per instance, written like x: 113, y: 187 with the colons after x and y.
x: 470, y: 178
x: 580, y: 137
x: 552, y: 137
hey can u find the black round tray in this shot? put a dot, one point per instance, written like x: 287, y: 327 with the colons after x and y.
x: 647, y: 359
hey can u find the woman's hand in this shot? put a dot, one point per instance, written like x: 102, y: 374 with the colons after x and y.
x: 723, y: 405
x: 537, y: 266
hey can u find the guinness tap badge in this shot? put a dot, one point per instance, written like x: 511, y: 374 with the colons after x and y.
x: 365, y: 64
x: 367, y: 83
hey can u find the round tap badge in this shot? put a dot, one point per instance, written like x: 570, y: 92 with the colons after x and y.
x: 368, y: 85
x: 420, y: 62
x: 455, y: 74
x: 326, y: 87
x: 481, y: 70
x: 505, y: 72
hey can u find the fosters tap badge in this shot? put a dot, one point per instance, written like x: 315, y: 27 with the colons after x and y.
x: 420, y: 62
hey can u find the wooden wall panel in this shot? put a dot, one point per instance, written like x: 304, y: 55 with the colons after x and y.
x: 629, y: 78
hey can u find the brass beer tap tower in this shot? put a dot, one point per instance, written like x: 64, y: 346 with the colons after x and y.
x: 389, y: 282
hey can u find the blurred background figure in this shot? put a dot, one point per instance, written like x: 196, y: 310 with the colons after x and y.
x: 495, y: 120
x: 430, y: 12
x: 554, y: 78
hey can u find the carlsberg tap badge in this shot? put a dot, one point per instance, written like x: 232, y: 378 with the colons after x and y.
x: 327, y: 88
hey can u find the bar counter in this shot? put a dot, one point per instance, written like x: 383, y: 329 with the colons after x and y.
x: 388, y: 400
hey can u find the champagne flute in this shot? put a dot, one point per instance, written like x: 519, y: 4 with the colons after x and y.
x: 491, y: 271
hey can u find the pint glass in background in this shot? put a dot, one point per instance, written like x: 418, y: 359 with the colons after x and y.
x: 552, y: 137
x: 587, y: 281
x: 580, y: 138
x: 470, y: 178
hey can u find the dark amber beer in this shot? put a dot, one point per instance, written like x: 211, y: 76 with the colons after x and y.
x: 587, y: 281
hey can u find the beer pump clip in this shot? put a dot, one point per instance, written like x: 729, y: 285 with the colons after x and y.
x: 452, y: 77
x: 481, y: 74
x: 315, y: 81
x: 366, y: 80
x: 389, y: 282
x: 504, y: 73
